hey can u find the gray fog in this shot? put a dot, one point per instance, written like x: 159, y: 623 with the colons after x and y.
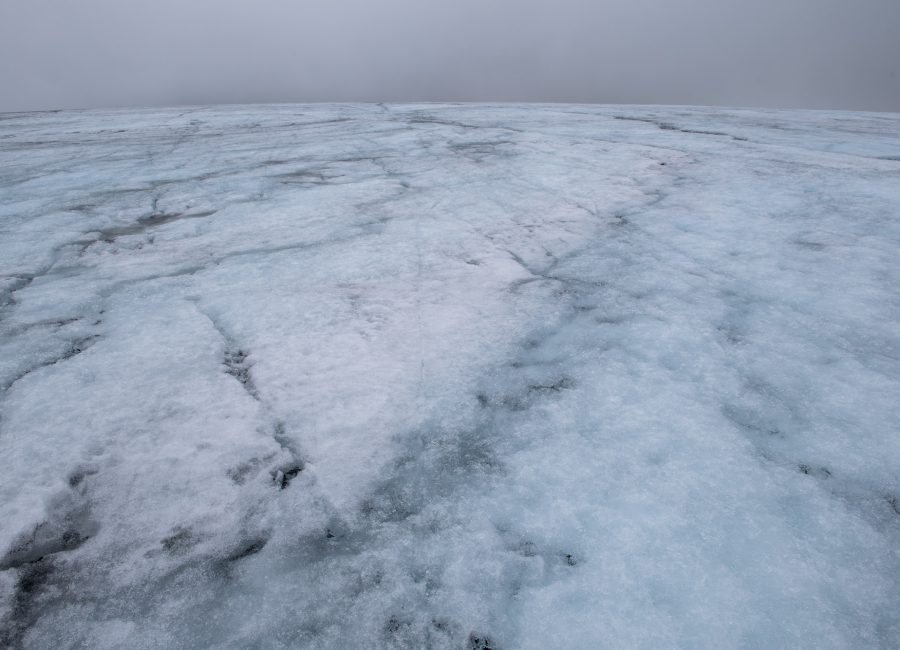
x: 780, y: 53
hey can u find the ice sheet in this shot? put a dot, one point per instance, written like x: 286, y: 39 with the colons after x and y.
x: 449, y: 376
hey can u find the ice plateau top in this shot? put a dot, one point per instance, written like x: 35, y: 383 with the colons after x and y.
x: 449, y: 376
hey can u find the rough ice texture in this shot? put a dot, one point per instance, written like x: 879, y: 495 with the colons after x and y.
x: 427, y: 376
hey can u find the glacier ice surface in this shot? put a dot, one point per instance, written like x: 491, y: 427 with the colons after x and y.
x: 449, y: 376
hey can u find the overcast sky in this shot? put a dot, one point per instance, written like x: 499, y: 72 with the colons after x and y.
x: 792, y: 53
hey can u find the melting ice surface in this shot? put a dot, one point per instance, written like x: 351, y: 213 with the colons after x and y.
x: 430, y: 376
